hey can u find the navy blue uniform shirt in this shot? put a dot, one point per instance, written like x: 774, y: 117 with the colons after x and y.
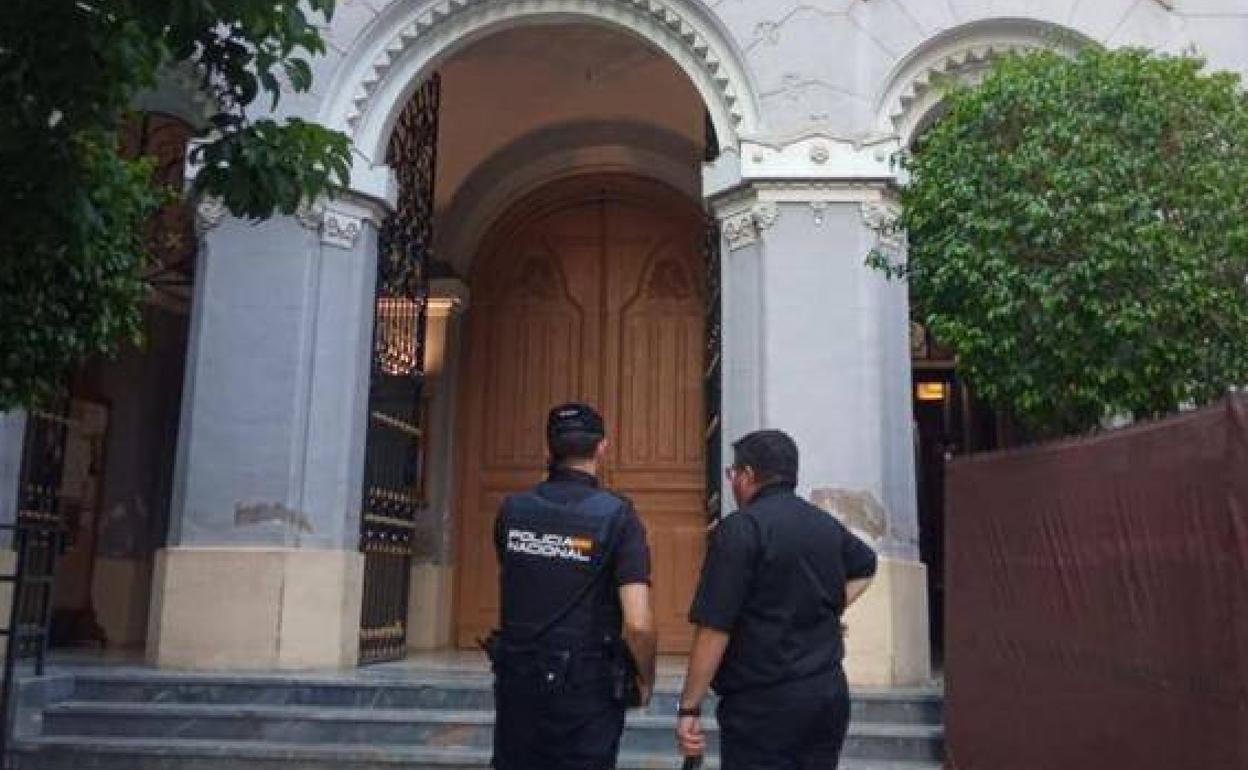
x: 774, y: 580
x: 632, y: 552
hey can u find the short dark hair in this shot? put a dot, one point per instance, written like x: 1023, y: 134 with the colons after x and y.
x: 771, y: 453
x: 572, y: 446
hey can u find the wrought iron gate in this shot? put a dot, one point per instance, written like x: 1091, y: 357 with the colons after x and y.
x: 713, y: 374
x: 38, y: 534
x: 714, y: 371
x: 395, y: 456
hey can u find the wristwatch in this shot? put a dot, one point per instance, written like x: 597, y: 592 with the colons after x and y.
x: 695, y: 711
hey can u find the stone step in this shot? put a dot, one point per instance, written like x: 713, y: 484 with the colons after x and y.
x: 311, y: 725
x: 466, y: 691
x: 69, y: 753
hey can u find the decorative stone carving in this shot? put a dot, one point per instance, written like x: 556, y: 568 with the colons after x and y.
x: 209, y: 212
x: 340, y: 229
x: 751, y: 207
x: 877, y: 215
x: 881, y: 216
x: 962, y: 55
x: 818, y: 155
x: 742, y: 229
x: 766, y: 214
x: 310, y: 215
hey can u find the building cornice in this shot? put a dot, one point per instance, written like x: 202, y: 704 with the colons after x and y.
x: 817, y: 166
x: 755, y: 192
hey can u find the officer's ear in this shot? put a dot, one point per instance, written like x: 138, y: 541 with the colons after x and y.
x: 600, y: 451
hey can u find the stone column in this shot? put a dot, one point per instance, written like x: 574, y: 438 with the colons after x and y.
x: 816, y: 344
x: 262, y: 568
x: 429, y: 615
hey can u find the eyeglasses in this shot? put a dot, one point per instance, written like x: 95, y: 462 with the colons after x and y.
x: 732, y: 470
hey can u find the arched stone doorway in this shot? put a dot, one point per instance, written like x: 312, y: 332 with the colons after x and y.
x: 590, y: 288
x: 602, y: 138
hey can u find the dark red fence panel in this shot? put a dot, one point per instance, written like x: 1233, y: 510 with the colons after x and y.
x: 1098, y: 601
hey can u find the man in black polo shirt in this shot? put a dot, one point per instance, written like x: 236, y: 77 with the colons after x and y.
x: 778, y: 575
x: 576, y: 643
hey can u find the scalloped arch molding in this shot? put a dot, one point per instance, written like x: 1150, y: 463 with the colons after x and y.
x: 963, y: 53
x: 407, y: 41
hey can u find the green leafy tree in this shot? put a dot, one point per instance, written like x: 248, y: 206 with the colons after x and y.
x: 73, y: 211
x: 1078, y: 235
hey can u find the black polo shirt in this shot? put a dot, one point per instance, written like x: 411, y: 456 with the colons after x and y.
x: 632, y: 551
x: 774, y: 580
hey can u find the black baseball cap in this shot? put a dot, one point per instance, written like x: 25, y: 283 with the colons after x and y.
x: 574, y: 418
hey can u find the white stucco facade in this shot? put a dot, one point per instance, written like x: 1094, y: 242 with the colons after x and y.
x: 809, y: 100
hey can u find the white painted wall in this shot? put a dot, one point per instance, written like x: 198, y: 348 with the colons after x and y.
x: 822, y: 65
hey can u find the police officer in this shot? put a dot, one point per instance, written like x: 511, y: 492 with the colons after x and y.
x: 576, y: 644
x: 777, y: 577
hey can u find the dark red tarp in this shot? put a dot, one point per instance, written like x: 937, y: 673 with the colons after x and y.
x: 1098, y: 600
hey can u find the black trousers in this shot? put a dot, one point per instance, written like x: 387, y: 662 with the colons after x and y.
x: 574, y: 725
x: 797, y: 725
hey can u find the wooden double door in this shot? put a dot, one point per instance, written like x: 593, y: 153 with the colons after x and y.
x: 590, y: 290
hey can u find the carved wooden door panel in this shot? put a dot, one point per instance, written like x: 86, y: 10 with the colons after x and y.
x: 594, y: 294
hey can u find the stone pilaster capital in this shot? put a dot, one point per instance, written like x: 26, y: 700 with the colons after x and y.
x: 881, y: 216
x: 210, y: 211
x: 343, y: 218
x: 311, y: 214
x: 372, y: 197
x: 339, y: 222
x: 751, y: 207
x: 742, y: 224
x: 341, y: 229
